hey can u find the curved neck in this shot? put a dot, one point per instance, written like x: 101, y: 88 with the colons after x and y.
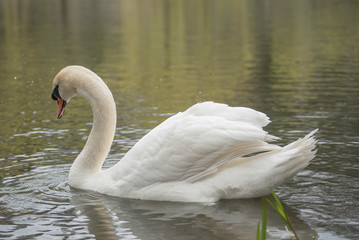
x: 98, y: 144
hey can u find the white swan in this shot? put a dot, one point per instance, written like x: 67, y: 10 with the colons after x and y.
x: 209, y: 152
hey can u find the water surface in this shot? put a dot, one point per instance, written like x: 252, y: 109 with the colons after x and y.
x: 296, y: 61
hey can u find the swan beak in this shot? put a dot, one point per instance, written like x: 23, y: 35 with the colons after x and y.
x: 61, y: 104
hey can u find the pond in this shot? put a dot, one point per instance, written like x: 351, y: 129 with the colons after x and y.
x: 297, y: 61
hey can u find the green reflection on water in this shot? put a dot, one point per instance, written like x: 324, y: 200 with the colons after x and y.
x: 286, y: 59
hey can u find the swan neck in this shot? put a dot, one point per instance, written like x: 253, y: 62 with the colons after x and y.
x: 98, y: 144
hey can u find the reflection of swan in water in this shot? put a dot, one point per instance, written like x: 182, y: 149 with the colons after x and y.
x: 100, y: 222
x: 113, y: 218
x: 207, y: 153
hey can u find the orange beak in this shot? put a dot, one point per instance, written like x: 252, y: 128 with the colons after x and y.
x: 61, y: 104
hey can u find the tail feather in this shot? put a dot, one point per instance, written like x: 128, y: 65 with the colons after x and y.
x: 298, y: 154
x: 254, y: 176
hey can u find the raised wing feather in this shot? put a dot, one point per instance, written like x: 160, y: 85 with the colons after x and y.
x: 190, y: 144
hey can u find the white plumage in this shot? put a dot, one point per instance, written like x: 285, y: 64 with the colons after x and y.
x: 209, y: 152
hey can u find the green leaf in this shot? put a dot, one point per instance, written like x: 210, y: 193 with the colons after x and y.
x: 264, y: 220
x: 277, y: 200
x: 278, y: 207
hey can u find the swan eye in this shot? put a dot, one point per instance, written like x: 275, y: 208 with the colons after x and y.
x: 55, y: 93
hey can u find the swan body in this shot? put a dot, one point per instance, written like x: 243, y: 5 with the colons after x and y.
x: 209, y: 152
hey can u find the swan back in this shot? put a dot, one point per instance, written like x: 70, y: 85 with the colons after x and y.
x: 192, y: 144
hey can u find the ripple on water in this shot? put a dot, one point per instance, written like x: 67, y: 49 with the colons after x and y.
x: 326, y: 198
x: 36, y: 202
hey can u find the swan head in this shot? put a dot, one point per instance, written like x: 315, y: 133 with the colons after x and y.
x: 64, y: 87
x: 74, y: 80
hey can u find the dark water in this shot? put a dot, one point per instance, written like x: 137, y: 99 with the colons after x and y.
x: 297, y: 61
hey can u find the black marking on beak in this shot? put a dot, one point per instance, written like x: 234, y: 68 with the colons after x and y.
x: 55, y: 93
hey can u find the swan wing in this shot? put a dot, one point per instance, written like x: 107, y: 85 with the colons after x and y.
x: 192, y: 144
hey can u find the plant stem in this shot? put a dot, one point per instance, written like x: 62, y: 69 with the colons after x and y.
x: 264, y: 220
x: 278, y: 207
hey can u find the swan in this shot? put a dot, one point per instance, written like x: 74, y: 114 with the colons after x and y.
x: 209, y: 152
